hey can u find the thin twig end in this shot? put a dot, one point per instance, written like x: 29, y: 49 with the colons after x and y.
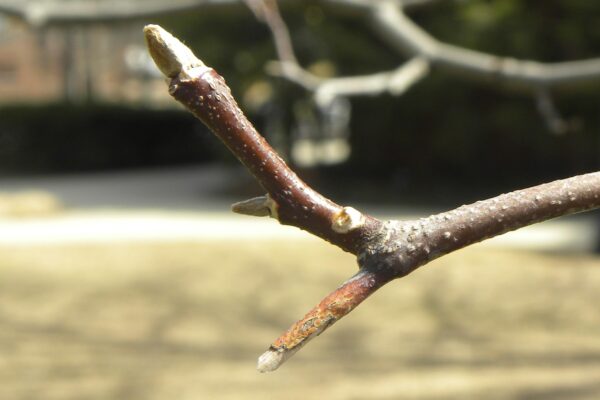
x: 170, y: 55
x: 270, y: 360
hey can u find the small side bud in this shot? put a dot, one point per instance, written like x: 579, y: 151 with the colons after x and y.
x: 262, y: 206
x: 347, y: 220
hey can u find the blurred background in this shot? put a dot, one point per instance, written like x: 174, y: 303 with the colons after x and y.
x: 123, y: 275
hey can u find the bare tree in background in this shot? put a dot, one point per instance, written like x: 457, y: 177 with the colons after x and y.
x: 385, y: 250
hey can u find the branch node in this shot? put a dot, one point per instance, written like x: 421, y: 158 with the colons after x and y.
x: 347, y: 219
x: 262, y: 206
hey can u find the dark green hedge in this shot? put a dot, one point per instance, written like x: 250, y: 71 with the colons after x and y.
x: 67, y: 138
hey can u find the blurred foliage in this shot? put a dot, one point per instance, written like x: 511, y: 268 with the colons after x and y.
x: 443, y: 131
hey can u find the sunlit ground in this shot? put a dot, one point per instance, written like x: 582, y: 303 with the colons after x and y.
x: 187, y: 321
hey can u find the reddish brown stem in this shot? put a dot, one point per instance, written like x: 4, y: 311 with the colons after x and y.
x: 507, y: 212
x: 406, y: 245
x: 209, y: 98
x: 204, y: 92
x: 331, y: 309
x: 385, y: 250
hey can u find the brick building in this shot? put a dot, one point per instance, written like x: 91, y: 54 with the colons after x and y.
x: 100, y: 61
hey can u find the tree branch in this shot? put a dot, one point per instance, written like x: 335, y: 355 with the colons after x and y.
x: 40, y: 13
x: 387, y: 16
x: 267, y: 11
x: 76, y: 11
x: 400, y: 247
x: 385, y: 250
x: 390, y: 20
x: 395, y: 82
x: 204, y: 92
x: 332, y: 308
x: 412, y: 40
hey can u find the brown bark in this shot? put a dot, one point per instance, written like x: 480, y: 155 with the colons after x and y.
x: 385, y: 249
x: 208, y: 97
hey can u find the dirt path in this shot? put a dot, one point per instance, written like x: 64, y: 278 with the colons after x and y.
x: 186, y: 321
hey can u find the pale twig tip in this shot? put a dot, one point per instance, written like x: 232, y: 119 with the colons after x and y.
x: 270, y: 360
x: 170, y: 55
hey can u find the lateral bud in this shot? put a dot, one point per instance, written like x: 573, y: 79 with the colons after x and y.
x: 262, y: 206
x: 347, y: 220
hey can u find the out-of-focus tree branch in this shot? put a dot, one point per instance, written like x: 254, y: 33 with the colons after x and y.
x: 267, y: 11
x: 412, y: 40
x: 81, y: 11
x: 395, y: 82
x: 409, y: 39
x: 387, y: 17
x: 425, y: 51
